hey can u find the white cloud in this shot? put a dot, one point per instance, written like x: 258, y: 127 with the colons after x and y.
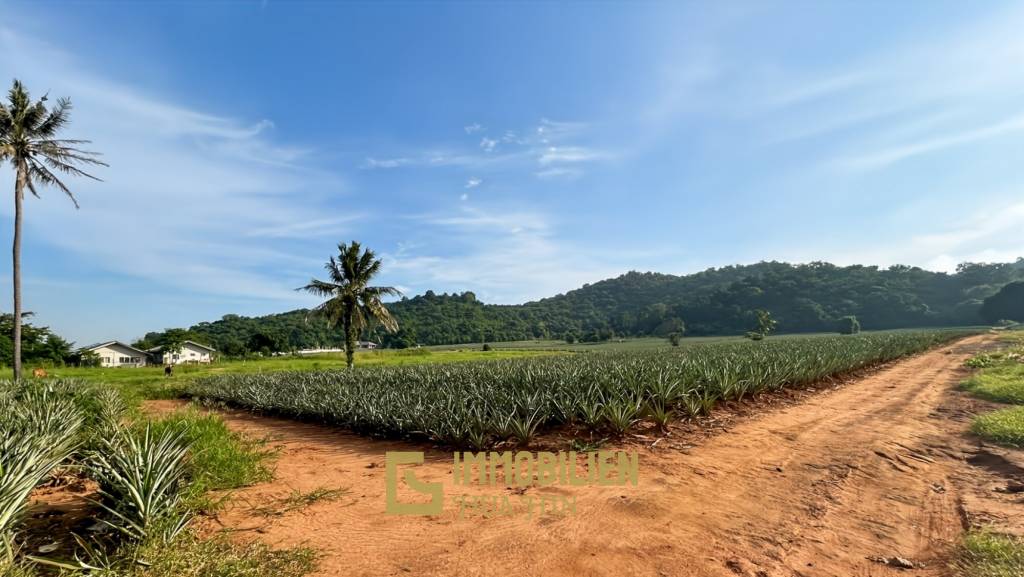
x: 464, y: 197
x: 471, y: 128
x: 386, y: 162
x: 559, y: 172
x: 887, y: 156
x: 488, y: 144
x: 192, y: 200
x: 474, y: 182
x: 989, y: 235
x: 520, y: 257
x: 567, y: 154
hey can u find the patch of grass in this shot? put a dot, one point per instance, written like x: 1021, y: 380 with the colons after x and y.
x: 1005, y: 426
x: 190, y: 556
x: 1002, y: 384
x: 299, y: 500
x: 987, y: 554
x: 218, y: 457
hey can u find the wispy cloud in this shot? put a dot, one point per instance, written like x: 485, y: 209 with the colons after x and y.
x: 471, y: 128
x: 387, y: 162
x: 519, y: 258
x: 474, y: 182
x: 488, y: 144
x: 887, y: 156
x: 200, y: 201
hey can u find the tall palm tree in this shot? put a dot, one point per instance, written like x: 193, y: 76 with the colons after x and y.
x: 350, y: 301
x: 28, y: 139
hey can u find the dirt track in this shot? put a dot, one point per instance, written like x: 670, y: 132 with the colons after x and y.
x: 873, y: 468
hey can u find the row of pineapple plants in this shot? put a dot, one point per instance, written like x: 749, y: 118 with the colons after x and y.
x: 60, y: 426
x: 480, y: 404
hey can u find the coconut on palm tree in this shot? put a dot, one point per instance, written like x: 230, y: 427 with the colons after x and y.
x: 29, y: 140
x: 351, y: 302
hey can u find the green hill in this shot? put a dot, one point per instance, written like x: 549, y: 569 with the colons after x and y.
x: 718, y: 301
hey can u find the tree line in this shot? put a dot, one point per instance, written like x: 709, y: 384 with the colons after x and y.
x: 815, y: 297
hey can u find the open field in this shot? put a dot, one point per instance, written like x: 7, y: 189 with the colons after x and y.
x: 480, y: 404
x: 653, y: 343
x: 150, y: 382
x: 835, y: 484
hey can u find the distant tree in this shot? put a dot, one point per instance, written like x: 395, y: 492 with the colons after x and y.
x: 85, y: 359
x: 849, y: 325
x: 674, y: 339
x: 486, y: 347
x: 172, y: 341
x: 350, y: 300
x: 29, y: 140
x: 1008, y: 303
x: 765, y: 325
x: 570, y: 338
x: 263, y: 343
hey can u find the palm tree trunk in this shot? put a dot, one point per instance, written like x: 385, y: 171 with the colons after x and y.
x: 19, y: 195
x: 350, y: 341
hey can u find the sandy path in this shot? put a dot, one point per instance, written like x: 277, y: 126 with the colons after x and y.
x: 813, y: 489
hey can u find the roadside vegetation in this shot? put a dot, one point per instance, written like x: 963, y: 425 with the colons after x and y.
x: 986, y: 554
x: 152, y: 477
x: 479, y: 405
x: 1000, y: 379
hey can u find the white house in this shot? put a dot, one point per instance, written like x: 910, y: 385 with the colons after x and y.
x: 118, y: 354
x: 191, y: 352
x: 366, y: 345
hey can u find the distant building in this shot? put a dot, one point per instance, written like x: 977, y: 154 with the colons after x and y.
x: 366, y: 345
x: 117, y: 354
x: 191, y: 352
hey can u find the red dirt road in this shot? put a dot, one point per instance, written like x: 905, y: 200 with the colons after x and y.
x: 874, y: 468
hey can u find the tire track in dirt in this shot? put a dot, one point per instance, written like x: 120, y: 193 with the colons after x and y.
x: 813, y: 489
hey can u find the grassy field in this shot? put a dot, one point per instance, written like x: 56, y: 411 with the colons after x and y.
x: 150, y: 382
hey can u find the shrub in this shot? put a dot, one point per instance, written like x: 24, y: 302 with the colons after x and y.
x: 849, y: 325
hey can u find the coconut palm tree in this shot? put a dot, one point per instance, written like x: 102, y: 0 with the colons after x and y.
x: 28, y: 139
x: 350, y: 301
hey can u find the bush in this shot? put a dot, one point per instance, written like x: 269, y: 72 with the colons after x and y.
x: 849, y: 325
x: 673, y: 339
x: 486, y: 347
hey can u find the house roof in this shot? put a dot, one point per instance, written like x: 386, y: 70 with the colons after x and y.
x: 193, y: 343
x: 108, y: 343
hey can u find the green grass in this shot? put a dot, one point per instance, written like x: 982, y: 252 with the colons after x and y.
x: 137, y: 383
x: 1002, y: 383
x: 218, y: 457
x: 986, y: 554
x: 1005, y: 426
x: 1000, y: 380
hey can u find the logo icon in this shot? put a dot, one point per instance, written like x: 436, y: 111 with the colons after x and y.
x: 436, y: 490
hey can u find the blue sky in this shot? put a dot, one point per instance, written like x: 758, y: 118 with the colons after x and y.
x: 517, y: 150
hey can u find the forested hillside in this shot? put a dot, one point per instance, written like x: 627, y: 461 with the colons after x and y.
x: 719, y: 301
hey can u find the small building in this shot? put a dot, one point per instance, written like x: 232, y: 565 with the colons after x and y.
x: 191, y: 352
x: 117, y: 354
x: 366, y: 345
